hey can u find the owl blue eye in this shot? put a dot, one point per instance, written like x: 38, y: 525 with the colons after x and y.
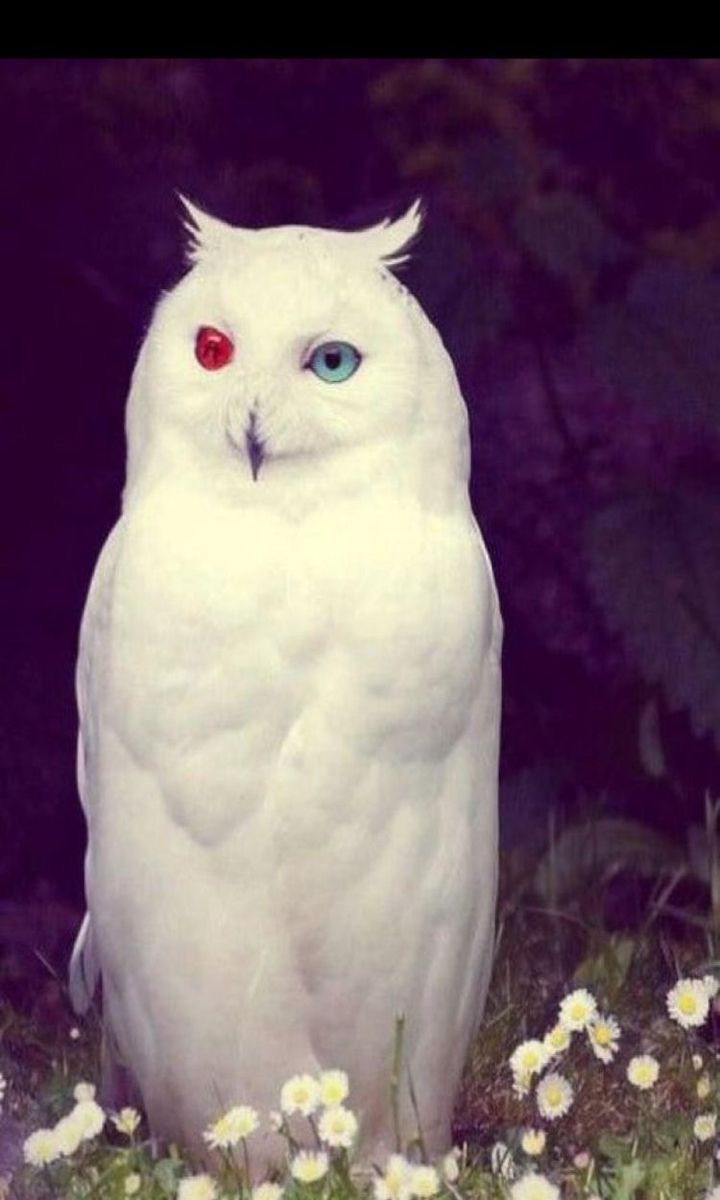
x: 334, y: 362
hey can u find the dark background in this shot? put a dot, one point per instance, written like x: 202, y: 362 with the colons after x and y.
x: 570, y: 259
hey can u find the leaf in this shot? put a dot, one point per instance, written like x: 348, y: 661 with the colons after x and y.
x: 598, y: 848
x: 629, y: 1173
x: 629, y: 1178
x: 672, y: 1133
x: 167, y: 1172
x: 660, y: 345
x: 614, y: 1147
x: 655, y: 568
x: 566, y: 235
x: 609, y: 967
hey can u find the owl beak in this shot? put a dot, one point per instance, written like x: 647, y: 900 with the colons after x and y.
x: 254, y: 447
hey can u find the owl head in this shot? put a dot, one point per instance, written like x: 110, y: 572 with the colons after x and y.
x: 285, y: 351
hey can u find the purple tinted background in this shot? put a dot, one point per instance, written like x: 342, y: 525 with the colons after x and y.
x: 93, y: 152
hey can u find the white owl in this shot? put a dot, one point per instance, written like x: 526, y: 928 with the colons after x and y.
x: 289, y: 695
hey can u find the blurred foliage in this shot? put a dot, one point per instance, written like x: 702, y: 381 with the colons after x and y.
x: 656, y: 568
x: 570, y: 259
x: 585, y: 192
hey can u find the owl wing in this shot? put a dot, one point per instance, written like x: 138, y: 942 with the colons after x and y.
x: 497, y: 625
x: 84, y: 971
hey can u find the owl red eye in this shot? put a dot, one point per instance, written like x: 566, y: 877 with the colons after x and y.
x: 213, y: 349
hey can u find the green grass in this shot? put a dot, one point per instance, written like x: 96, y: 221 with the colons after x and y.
x: 555, y: 933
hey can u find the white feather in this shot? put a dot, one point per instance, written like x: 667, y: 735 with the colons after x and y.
x: 388, y: 241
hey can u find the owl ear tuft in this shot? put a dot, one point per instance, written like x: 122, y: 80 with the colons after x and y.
x: 207, y: 234
x: 390, y: 240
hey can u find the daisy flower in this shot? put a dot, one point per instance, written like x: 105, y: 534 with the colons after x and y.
x: 236, y: 1123
x: 334, y: 1088
x: 89, y: 1117
x: 643, y: 1070
x: 697, y: 1062
x: 41, y: 1148
x: 309, y: 1165
x: 395, y: 1183
x: 338, y: 1126
x: 554, y: 1096
x: 531, y: 1055
x: 197, y: 1187
x: 525, y: 1061
x: 84, y: 1091
x: 533, y: 1141
x: 557, y: 1039
x: 603, y: 1034
x: 577, y: 1010
x: 424, y: 1182
x: 126, y: 1121
x: 300, y: 1094
x: 703, y: 1087
x: 688, y: 1002
x: 68, y: 1135
x: 704, y: 1127
x: 133, y: 1183
x: 534, y: 1187
x: 267, y: 1191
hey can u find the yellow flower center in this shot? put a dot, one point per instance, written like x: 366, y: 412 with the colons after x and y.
x: 603, y: 1036
x: 553, y: 1095
x: 687, y: 1004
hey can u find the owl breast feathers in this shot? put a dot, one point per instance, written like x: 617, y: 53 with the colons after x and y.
x: 289, y: 695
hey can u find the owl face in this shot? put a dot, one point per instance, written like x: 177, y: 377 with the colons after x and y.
x: 280, y: 344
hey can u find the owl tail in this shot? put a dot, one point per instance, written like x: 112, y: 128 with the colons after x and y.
x: 117, y: 1086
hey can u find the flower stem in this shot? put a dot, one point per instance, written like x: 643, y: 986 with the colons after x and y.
x: 395, y: 1078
